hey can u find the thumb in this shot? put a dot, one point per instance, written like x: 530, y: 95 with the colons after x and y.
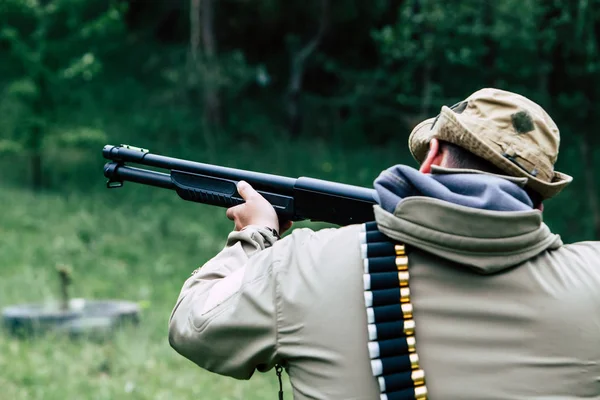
x: 245, y: 190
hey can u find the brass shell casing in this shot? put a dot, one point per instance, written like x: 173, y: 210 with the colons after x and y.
x: 409, y: 328
x: 414, y: 361
x: 421, y: 393
x: 418, y: 377
x: 403, y: 278
x: 400, y: 249
x: 407, y: 310
x: 402, y: 263
x: 404, y: 295
x: 411, y: 343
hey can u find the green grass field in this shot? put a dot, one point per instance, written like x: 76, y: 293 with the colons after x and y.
x: 140, y: 252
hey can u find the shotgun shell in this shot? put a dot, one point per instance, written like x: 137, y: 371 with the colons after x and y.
x: 403, y: 278
x: 401, y: 263
x: 421, y: 393
x: 414, y: 360
x: 409, y: 328
x: 418, y: 377
x: 399, y: 249
x: 404, y: 295
x: 411, y: 343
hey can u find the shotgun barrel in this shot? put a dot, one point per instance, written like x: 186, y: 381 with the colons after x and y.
x: 293, y: 199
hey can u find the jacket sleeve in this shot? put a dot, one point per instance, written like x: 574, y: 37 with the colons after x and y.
x: 225, y: 317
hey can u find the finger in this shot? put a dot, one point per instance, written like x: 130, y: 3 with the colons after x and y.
x: 246, y: 191
x: 232, y: 212
x: 238, y: 225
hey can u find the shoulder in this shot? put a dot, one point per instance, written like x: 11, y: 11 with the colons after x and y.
x: 305, y: 239
x: 573, y: 266
x: 314, y: 258
x: 581, y: 253
x: 589, y: 245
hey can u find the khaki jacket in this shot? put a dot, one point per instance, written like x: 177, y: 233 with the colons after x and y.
x: 503, y: 309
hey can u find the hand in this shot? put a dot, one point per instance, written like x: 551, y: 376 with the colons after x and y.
x: 255, y: 211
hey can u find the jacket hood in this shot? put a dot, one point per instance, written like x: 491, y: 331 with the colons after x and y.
x: 484, y: 223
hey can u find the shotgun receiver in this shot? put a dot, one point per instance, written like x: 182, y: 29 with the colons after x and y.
x: 293, y: 199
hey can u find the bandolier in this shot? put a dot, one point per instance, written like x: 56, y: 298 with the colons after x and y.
x: 391, y: 328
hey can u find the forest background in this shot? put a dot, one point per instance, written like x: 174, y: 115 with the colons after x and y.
x: 323, y: 88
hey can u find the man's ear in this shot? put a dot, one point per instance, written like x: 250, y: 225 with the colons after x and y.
x: 434, y: 157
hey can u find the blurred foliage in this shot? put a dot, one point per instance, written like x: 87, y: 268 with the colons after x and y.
x: 53, y: 49
x: 76, y: 74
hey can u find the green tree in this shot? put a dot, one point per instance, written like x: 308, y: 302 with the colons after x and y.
x: 56, y: 46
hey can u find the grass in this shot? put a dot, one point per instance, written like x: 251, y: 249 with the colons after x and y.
x: 140, y: 252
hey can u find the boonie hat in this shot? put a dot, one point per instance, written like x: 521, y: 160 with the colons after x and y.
x: 506, y: 129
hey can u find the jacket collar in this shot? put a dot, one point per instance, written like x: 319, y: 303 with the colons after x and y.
x: 487, y: 226
x: 469, y: 188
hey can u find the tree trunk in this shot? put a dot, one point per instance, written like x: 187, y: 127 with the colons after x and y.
x: 298, y: 63
x: 489, y: 59
x: 428, y: 37
x: 426, y: 97
x: 590, y: 180
x: 195, y: 33
x: 198, y: 66
x: 40, y: 109
x: 587, y: 53
x: 545, y: 54
x: 36, y: 137
x: 203, y: 66
x: 37, y: 178
x: 212, y: 103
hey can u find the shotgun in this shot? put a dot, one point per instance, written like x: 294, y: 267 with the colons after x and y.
x: 293, y: 199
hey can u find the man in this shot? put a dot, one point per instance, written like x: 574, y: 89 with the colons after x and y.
x: 497, y: 306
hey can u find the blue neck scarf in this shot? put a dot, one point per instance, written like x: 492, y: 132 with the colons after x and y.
x: 480, y: 191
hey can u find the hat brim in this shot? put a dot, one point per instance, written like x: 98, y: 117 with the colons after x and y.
x: 448, y: 127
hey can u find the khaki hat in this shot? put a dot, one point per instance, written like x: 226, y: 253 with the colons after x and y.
x: 506, y: 129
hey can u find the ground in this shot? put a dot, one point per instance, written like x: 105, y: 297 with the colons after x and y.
x: 133, y: 250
